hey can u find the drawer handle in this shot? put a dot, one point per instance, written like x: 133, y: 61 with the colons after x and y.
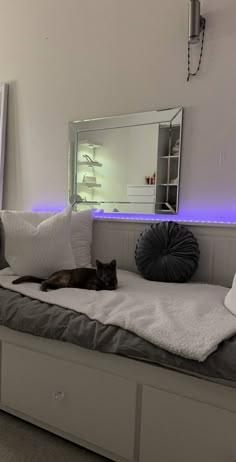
x: 58, y: 395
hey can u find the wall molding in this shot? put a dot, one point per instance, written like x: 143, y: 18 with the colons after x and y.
x: 116, y: 239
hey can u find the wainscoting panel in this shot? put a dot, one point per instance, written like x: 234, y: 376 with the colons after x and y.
x: 117, y: 239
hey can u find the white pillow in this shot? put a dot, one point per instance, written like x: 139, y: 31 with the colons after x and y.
x: 38, y: 250
x: 81, y: 237
x: 230, y: 299
x: 81, y: 232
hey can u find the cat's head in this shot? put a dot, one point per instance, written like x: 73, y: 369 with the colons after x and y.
x: 106, y: 273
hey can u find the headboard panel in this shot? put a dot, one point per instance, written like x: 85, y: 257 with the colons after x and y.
x: 217, y: 245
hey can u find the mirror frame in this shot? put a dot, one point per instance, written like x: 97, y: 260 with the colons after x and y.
x: 161, y: 117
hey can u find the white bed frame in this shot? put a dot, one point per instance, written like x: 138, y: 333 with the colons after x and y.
x: 123, y: 409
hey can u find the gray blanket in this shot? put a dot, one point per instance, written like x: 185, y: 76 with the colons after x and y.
x: 21, y: 313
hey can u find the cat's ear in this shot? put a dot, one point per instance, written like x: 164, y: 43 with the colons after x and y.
x: 98, y: 264
x: 113, y: 263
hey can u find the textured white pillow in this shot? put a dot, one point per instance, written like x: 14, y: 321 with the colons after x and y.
x: 81, y: 232
x: 81, y: 237
x: 38, y: 250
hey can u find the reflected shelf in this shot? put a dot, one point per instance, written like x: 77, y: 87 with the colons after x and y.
x: 90, y: 164
x: 90, y: 185
x: 169, y: 157
x: 112, y: 202
x: 90, y: 145
x: 167, y: 184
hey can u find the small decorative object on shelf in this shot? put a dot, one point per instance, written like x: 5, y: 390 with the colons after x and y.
x: 88, y: 158
x: 174, y: 181
x: 89, y: 162
x: 89, y: 179
x: 150, y: 179
x: 175, y: 149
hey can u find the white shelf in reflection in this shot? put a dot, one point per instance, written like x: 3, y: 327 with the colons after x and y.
x: 92, y: 145
x: 169, y: 157
x: 90, y: 164
x: 90, y: 185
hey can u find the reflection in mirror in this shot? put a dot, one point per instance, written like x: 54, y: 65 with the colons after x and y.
x: 127, y: 164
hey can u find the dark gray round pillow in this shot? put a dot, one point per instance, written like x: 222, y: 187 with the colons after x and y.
x: 167, y: 252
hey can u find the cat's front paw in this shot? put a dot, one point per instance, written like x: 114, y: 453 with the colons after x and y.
x: 112, y: 288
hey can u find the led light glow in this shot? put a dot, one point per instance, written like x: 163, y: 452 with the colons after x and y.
x: 48, y: 208
x: 227, y: 219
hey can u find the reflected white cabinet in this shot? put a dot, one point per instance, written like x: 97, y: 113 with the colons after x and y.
x: 141, y: 197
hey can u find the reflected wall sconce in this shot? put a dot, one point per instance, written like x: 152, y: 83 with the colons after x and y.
x: 197, y: 25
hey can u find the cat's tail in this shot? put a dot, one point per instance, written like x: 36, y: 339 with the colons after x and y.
x: 26, y: 279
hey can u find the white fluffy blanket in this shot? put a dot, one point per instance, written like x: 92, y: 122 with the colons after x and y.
x: 189, y: 320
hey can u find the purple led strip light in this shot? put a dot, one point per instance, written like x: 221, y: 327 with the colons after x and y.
x: 198, y: 218
x: 193, y: 216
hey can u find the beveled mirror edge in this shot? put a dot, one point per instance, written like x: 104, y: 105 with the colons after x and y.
x: 127, y: 120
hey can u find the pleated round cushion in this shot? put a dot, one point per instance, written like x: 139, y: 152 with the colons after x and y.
x: 167, y: 252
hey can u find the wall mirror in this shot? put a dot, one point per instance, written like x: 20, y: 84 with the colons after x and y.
x: 127, y: 164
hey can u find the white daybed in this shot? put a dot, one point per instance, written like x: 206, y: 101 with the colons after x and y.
x: 123, y: 409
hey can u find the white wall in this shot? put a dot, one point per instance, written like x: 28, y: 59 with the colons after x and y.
x: 69, y: 59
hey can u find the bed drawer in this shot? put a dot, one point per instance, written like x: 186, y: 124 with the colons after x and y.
x: 94, y: 406
x: 177, y: 429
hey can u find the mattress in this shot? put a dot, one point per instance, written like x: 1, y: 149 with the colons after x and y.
x: 188, y: 320
x: 35, y: 317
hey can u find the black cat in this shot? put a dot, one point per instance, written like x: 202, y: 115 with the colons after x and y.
x: 102, y: 278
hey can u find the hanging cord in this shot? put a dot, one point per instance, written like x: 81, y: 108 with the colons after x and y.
x: 190, y: 74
